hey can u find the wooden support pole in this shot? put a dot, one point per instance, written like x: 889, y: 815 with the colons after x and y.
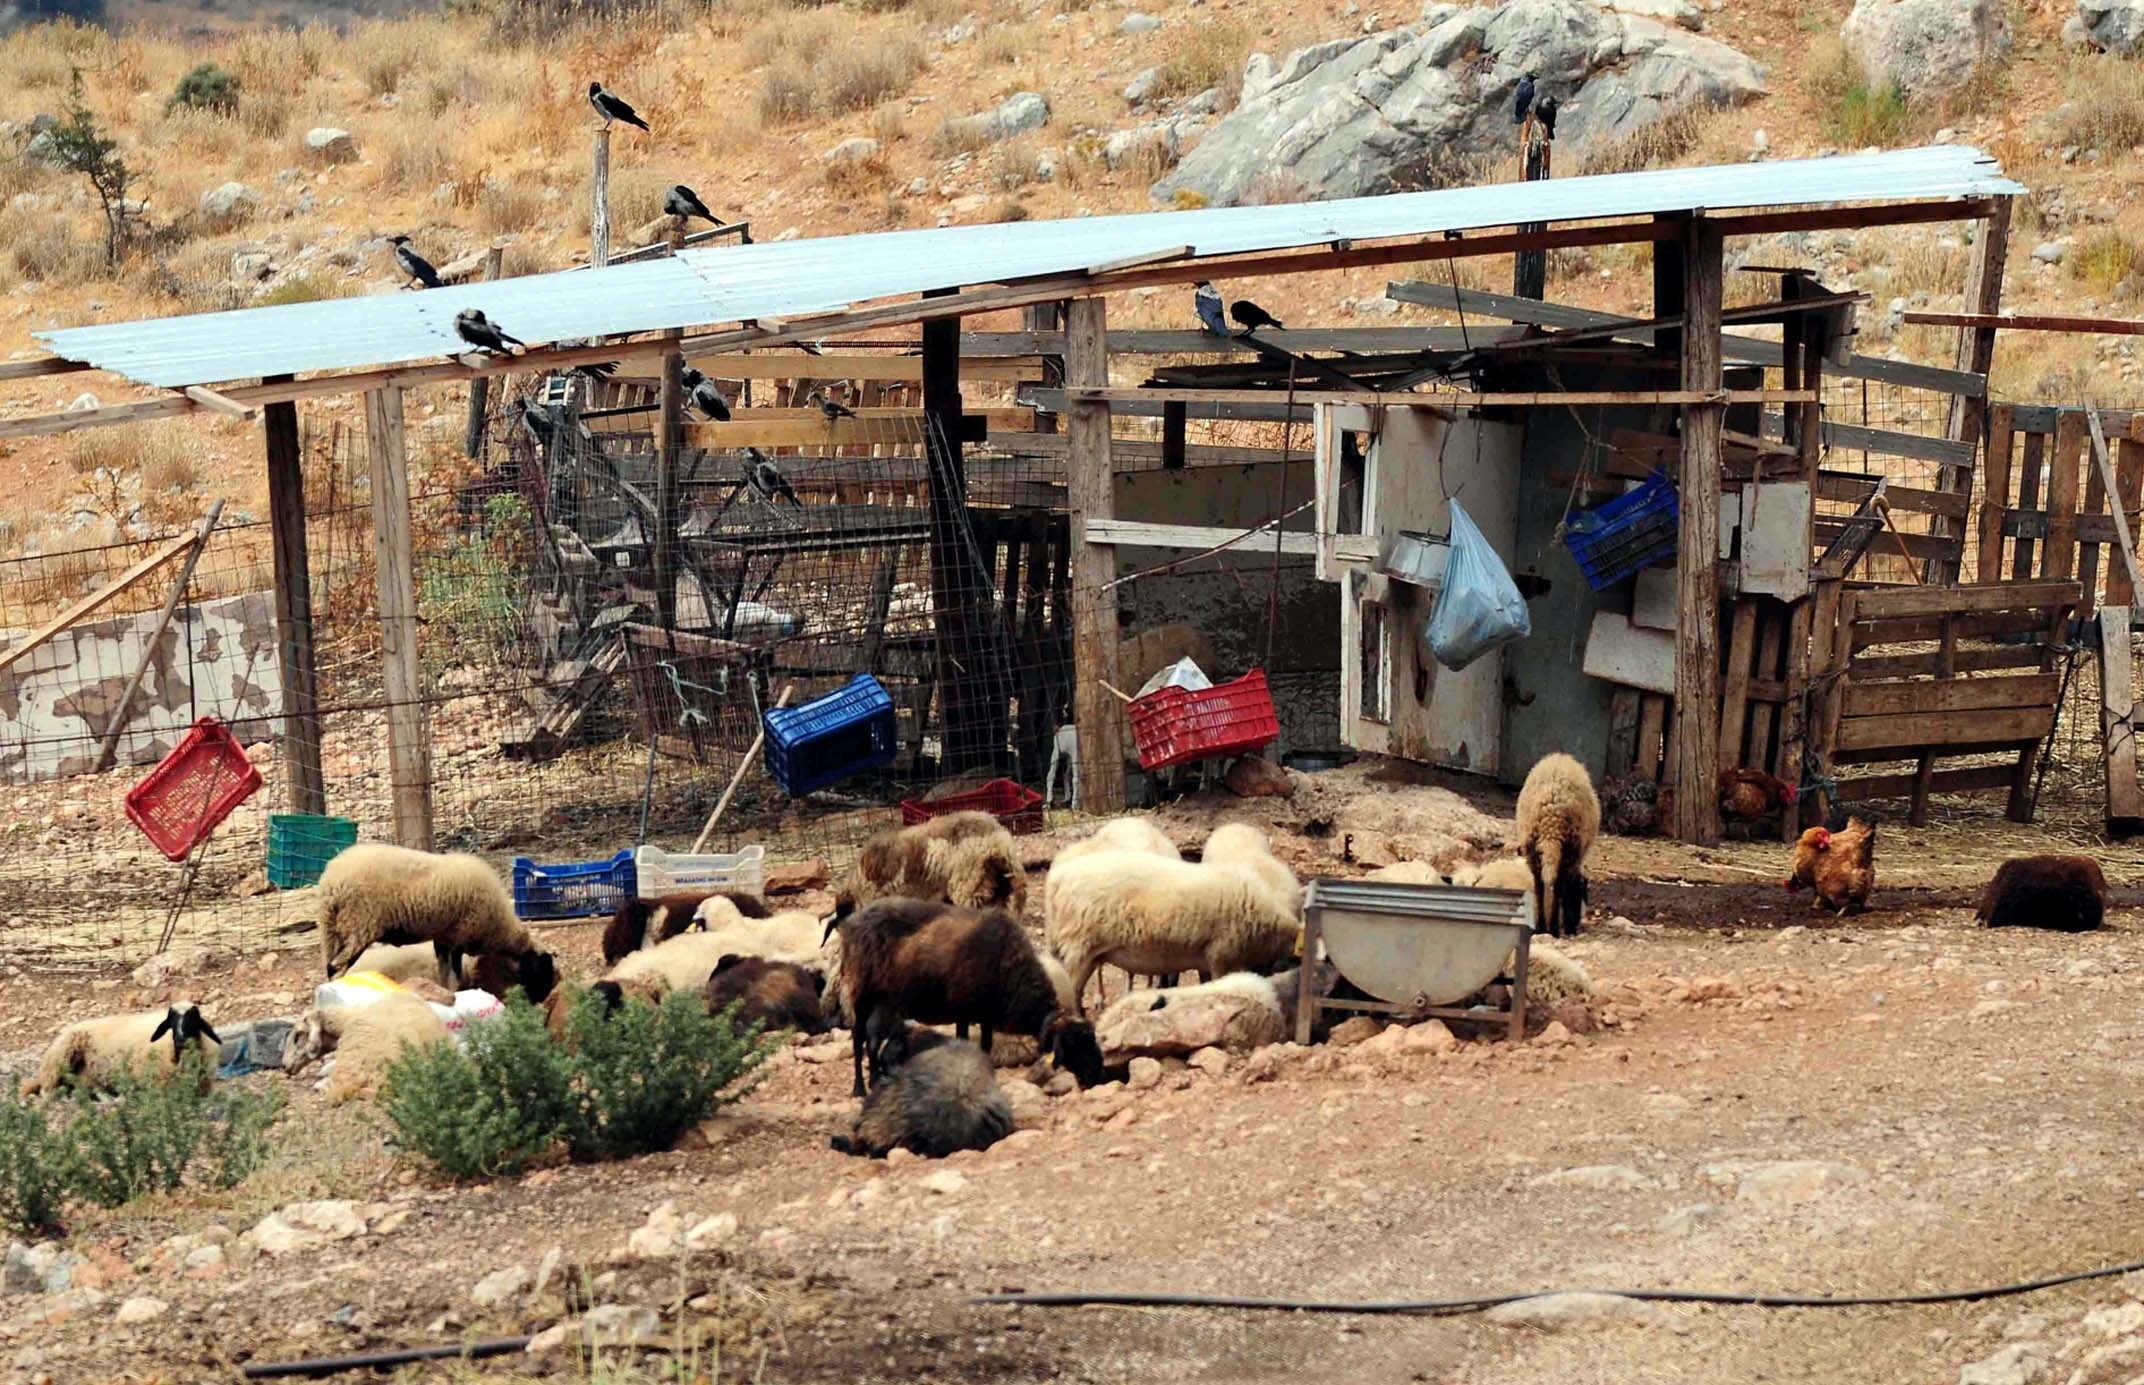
x: 599, y: 213
x: 294, y: 608
x: 1529, y: 268
x: 1804, y: 361
x: 2117, y: 719
x: 1090, y: 495
x: 1975, y: 353
x: 2126, y: 558
x: 1697, y: 643
x: 974, y: 688
x: 480, y: 387
x: 409, y: 750
x: 670, y: 444
x: 95, y: 601
x: 118, y: 722
x: 1039, y: 317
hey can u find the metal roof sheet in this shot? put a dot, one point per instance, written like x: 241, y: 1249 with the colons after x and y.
x: 780, y: 279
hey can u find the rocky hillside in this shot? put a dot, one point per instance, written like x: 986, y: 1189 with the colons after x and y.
x: 814, y: 119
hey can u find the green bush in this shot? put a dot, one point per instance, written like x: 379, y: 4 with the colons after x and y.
x: 624, y: 1083
x: 146, y: 1137
x: 206, y: 88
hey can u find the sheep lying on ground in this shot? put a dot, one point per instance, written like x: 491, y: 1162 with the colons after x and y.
x: 1239, y: 1011
x: 772, y: 995
x: 1559, y: 817
x: 375, y: 893
x: 2067, y: 894
x: 967, y: 859
x: 644, y: 922
x: 364, y: 1040
x: 1496, y: 873
x: 936, y: 1095
x: 790, y: 936
x: 415, y: 967
x: 1155, y: 916
x: 942, y: 964
x: 93, y: 1053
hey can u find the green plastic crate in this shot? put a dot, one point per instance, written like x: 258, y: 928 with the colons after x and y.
x: 300, y: 845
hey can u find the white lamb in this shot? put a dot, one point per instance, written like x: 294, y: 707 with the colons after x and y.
x: 365, y: 1039
x: 1239, y: 1011
x: 375, y: 893
x: 1157, y: 917
x: 93, y: 1053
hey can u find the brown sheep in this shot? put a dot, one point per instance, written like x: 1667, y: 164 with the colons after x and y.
x: 772, y: 995
x: 1559, y: 817
x: 2067, y: 894
x: 966, y: 859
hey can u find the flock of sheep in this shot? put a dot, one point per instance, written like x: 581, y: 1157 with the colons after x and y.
x: 925, y: 931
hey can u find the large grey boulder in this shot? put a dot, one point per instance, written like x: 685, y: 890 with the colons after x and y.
x: 1415, y: 107
x: 2114, y: 25
x: 1017, y: 114
x: 1927, y: 47
x: 229, y: 203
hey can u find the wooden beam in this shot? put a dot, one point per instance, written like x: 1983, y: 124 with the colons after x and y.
x: 2117, y: 720
x: 1852, y: 437
x: 294, y: 611
x: 1132, y: 533
x: 46, y: 425
x: 1975, y: 352
x: 48, y: 365
x: 858, y: 365
x: 1441, y: 399
x: 669, y: 446
x: 409, y: 750
x: 2058, y: 559
x: 95, y: 601
x: 808, y: 428
x: 480, y: 388
x: 1994, y: 494
x: 1943, y: 781
x: 599, y: 215
x: 1947, y: 694
x: 1895, y: 602
x: 1909, y: 731
x: 2127, y: 550
x: 117, y: 722
x: 219, y: 403
x: 2031, y: 322
x: 1090, y: 494
x: 1697, y: 642
x: 1165, y: 342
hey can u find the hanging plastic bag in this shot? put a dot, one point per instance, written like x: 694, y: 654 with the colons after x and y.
x: 1479, y: 606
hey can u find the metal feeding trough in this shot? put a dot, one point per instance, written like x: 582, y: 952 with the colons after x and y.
x: 1418, y: 949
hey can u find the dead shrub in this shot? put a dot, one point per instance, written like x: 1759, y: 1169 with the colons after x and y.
x: 276, y: 59
x: 959, y: 134
x: 1658, y: 144
x: 857, y: 179
x: 509, y: 207
x: 2106, y: 107
x: 857, y: 77
x: 889, y: 125
x: 786, y: 94
x: 50, y: 249
x: 1211, y: 55
x: 793, y: 34
x: 265, y: 114
x: 2103, y: 257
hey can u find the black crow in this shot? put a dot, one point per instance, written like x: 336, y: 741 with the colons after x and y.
x: 1522, y: 98
x: 766, y: 479
x: 612, y: 108
x: 537, y: 419
x: 682, y: 201
x: 595, y: 370
x: 414, y: 265
x: 479, y: 331
x: 1207, y: 299
x: 830, y: 406
x: 701, y: 393
x: 1250, y: 316
x: 1545, y: 112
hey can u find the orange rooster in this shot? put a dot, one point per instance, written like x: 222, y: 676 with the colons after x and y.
x: 1840, y: 866
x: 1749, y: 794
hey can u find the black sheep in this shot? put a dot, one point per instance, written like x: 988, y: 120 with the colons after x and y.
x: 2067, y: 894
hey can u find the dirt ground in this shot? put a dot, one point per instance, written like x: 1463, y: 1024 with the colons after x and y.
x: 1896, y: 1102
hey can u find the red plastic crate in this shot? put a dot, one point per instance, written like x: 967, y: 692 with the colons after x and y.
x: 195, y: 787
x: 1172, y: 726
x: 1015, y: 805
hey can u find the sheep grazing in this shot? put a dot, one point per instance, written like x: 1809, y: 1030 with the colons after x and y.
x: 365, y: 1039
x: 1559, y: 817
x: 2067, y: 894
x: 772, y: 995
x: 967, y: 859
x: 642, y: 923
x: 375, y: 893
x: 1243, y: 847
x: 94, y: 1053
x: 943, y: 964
x: 1156, y: 917
x: 936, y: 1096
x: 415, y: 966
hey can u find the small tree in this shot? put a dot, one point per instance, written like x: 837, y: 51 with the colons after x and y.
x: 206, y: 88
x: 78, y: 146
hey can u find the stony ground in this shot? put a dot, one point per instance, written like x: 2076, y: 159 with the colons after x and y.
x: 1899, y: 1103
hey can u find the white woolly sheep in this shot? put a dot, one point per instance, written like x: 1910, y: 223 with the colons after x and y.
x: 1239, y: 1011
x: 793, y: 935
x: 365, y: 1039
x: 1244, y: 847
x: 1554, y: 978
x: 967, y: 859
x: 1156, y: 917
x: 1559, y: 816
x: 1119, y: 834
x: 95, y: 1052
x: 1496, y: 873
x: 375, y: 893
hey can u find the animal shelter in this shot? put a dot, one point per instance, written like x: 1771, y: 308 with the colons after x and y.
x: 919, y: 520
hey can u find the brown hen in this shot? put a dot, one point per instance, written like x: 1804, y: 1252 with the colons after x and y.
x: 1840, y: 866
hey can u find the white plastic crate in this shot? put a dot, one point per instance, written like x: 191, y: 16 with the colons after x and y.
x: 661, y: 872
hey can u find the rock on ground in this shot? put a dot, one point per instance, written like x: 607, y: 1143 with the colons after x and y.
x: 229, y: 204
x: 1415, y: 107
x: 2016, y: 1364
x: 136, y: 1311
x: 1927, y: 47
x: 304, y: 1226
x: 855, y: 149
x: 499, y: 1286
x: 1561, y: 1312
x: 621, y: 1325
x: 330, y: 145
x: 1181, y: 1020
x: 2114, y: 25
x: 1016, y: 115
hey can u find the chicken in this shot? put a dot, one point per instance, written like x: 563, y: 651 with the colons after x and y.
x: 1840, y: 866
x: 1631, y: 807
x: 1749, y: 794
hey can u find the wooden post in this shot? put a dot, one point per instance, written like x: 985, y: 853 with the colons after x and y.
x: 1994, y: 495
x: 599, y: 214
x: 480, y: 387
x: 1047, y: 317
x: 293, y: 607
x: 2058, y: 556
x: 1529, y: 268
x: 117, y: 724
x: 1668, y: 287
x: 973, y: 684
x: 2117, y: 719
x: 1090, y: 495
x: 670, y: 443
x: 409, y: 750
x: 1805, y: 370
x: 1975, y: 353
x: 1697, y: 642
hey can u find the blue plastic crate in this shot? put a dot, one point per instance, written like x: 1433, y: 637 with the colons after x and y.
x: 572, y: 892
x: 830, y: 738
x: 1626, y: 535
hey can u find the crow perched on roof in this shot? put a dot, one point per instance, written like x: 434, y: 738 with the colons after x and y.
x: 766, y: 479
x: 1545, y: 113
x: 414, y: 265
x: 683, y: 202
x: 1522, y: 98
x: 701, y: 393
x: 1207, y: 299
x: 830, y: 406
x: 479, y: 331
x: 595, y: 370
x: 612, y: 107
x: 1250, y: 316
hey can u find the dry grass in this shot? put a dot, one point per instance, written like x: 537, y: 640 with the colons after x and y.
x: 785, y: 93
x: 50, y: 250
x: 2106, y: 107
x: 1854, y: 108
x: 2103, y: 257
x: 275, y: 59
x: 889, y: 125
x: 1655, y: 146
x: 792, y: 34
x: 960, y: 134
x: 856, y: 77
x: 1211, y: 55
x: 509, y: 206
x: 410, y: 158
x: 857, y: 178
x: 389, y: 53
x: 1924, y: 264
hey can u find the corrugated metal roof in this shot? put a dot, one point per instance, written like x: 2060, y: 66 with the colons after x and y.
x: 789, y: 278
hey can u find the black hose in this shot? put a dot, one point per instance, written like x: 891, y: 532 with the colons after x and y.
x: 1434, y: 1306
x: 398, y: 1356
